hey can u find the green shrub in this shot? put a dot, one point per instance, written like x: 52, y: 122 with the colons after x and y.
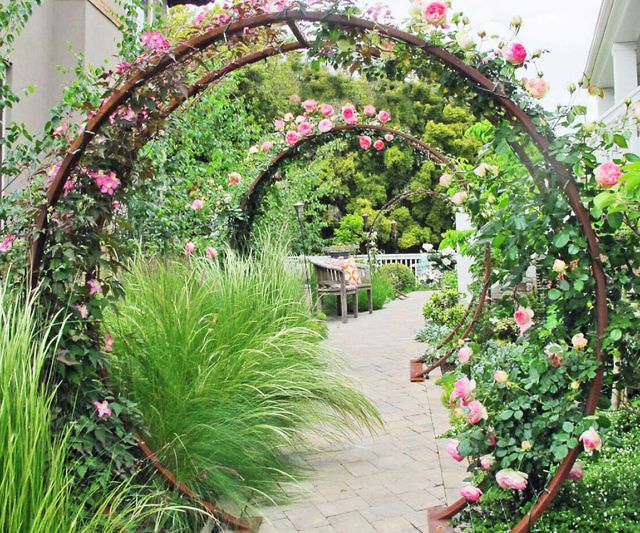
x: 449, y: 280
x: 444, y: 307
x: 433, y: 333
x: 227, y: 366
x: 401, y: 277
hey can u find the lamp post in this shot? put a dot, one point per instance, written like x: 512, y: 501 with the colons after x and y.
x: 365, y: 227
x: 299, y: 207
x: 394, y: 236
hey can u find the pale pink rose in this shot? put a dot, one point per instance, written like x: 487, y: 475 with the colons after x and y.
x: 576, y: 472
x: 234, y: 178
x: 487, y: 462
x: 512, y: 479
x: 292, y: 137
x: 452, y: 449
x: 459, y: 198
x: 266, y: 146
x: 536, y: 87
x: 349, y: 114
x: 389, y: 137
x: 365, y: 142
x: 607, y: 174
x: 465, y: 40
x: 310, y: 105
x: 464, y: 354
x: 253, y: 149
x: 197, y: 205
x: 102, y: 408
x: 579, y: 341
x: 7, y: 242
x: 108, y: 343
x: 279, y: 124
x: 435, y: 13
x: 211, y: 252
x: 559, y: 266
x: 369, y: 110
x: 300, y: 119
x: 325, y: 125
x: 525, y: 445
x: 524, y: 318
x: 470, y: 493
x: 288, y: 117
x: 463, y: 389
x: 379, y: 145
x: 384, y: 116
x: 189, y: 248
x: 476, y: 412
x: 514, y: 53
x: 154, y: 40
x: 94, y: 287
x: 591, y: 440
x: 445, y: 180
x: 295, y: 99
x: 83, y: 311
x: 326, y: 110
x: 500, y: 376
x: 305, y: 128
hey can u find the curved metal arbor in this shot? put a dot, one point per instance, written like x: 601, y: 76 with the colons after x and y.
x: 476, y: 80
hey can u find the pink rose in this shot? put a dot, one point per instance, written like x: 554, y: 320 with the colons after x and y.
x: 292, y: 137
x: 300, y: 119
x: 524, y: 318
x: 459, y: 198
x: 102, y: 408
x: 579, y: 341
x: 463, y: 389
x: 326, y: 110
x: 445, y: 180
x: 435, y: 13
x: 365, y: 142
x: 476, y: 412
x: 7, y: 242
x: 305, y: 128
x: 266, y: 146
x: 197, y: 205
x: 211, y: 252
x: 607, y: 174
x: 576, y: 472
x: 487, y: 461
x: 325, y: 125
x: 464, y: 354
x: 234, y: 178
x: 189, y: 248
x: 389, y: 137
x: 253, y: 149
x: 591, y: 440
x: 279, y: 124
x: 452, y: 449
x: 108, y: 343
x: 384, y: 116
x: 288, y: 117
x: 379, y: 145
x: 536, y: 87
x: 94, y: 287
x: 349, y: 114
x: 470, y: 493
x: 369, y: 110
x: 512, y: 479
x: 514, y: 53
x: 310, y: 105
x: 295, y: 99
x: 500, y: 376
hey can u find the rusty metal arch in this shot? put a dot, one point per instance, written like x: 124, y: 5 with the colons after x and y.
x: 476, y: 79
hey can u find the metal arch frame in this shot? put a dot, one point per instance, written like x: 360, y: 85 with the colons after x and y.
x: 449, y: 60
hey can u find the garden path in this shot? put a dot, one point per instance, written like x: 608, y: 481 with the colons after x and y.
x: 387, y: 481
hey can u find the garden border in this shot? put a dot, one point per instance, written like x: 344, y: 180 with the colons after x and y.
x: 472, y: 75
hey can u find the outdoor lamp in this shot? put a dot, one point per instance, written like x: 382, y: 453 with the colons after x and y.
x: 394, y: 227
x: 299, y: 206
x: 365, y: 221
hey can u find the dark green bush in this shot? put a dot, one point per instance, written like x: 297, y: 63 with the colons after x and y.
x: 401, y: 277
x: 444, y: 307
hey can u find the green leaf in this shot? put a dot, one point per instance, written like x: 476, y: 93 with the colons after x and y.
x: 554, y: 294
x: 561, y: 239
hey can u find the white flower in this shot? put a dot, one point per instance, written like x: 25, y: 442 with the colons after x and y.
x: 465, y: 40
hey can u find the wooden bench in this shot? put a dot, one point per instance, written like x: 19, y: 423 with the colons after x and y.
x: 331, y: 280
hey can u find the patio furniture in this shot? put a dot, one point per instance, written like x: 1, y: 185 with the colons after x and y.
x: 331, y: 280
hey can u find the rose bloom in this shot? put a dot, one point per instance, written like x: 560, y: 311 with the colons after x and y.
x: 384, y: 116
x: 525, y: 446
x: 514, y: 53
x: 326, y: 110
x: 266, y: 146
x: 211, y: 252
x: 470, y: 493
x: 189, y: 248
x: 325, y: 125
x: 511, y: 479
x: 389, y: 137
x: 482, y: 169
x: 292, y: 137
x: 607, y: 174
x: 445, y: 180
x: 591, y: 440
x: 279, y: 124
x: 365, y: 142
x: 559, y: 266
x: 579, y: 341
x: 310, y: 105
x: 197, y: 205
x: 464, y: 354
x: 369, y: 110
x: 435, y: 13
x: 349, y: 113
x: 524, y: 318
x: 463, y: 389
x: 234, y: 178
x: 108, y: 343
x: 452, y: 449
x: 500, y: 376
x: 576, y: 472
x: 288, y: 117
x: 253, y: 149
x: 379, y: 145
x: 536, y: 87
x: 295, y: 99
x: 305, y: 128
x: 459, y: 198
x: 476, y: 412
x: 487, y: 461
x: 465, y: 40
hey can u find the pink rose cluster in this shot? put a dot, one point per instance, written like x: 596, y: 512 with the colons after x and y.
x: 512, y: 479
x: 468, y: 406
x: 435, y: 13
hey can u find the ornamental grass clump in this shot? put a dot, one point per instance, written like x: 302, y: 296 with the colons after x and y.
x: 229, y: 370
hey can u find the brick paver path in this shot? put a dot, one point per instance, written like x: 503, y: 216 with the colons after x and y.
x: 387, y: 481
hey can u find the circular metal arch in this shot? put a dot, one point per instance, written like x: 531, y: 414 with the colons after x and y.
x: 476, y: 80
